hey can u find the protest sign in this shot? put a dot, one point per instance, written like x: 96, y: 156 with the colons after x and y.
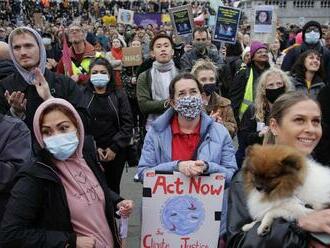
x: 182, y: 21
x: 178, y: 211
x: 125, y: 16
x: 38, y: 19
x: 143, y: 19
x: 227, y: 23
x: 264, y: 24
x: 132, y: 56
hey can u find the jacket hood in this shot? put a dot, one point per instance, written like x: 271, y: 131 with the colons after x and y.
x: 309, y: 24
x: 163, y: 121
x: 67, y: 105
x: 6, y: 68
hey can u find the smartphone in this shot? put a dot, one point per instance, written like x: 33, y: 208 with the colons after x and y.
x: 324, y: 238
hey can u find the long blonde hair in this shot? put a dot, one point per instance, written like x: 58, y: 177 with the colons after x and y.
x: 261, y: 103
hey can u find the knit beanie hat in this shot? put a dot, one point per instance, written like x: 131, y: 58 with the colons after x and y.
x: 309, y: 24
x: 255, y: 46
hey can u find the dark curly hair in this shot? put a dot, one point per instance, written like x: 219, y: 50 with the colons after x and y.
x: 299, y: 68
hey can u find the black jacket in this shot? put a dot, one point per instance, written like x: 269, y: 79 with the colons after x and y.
x: 292, y: 56
x: 283, y: 234
x: 321, y: 152
x: 60, y: 87
x: 237, y: 89
x: 112, y: 120
x: 6, y: 68
x: 38, y: 215
x: 247, y: 133
x: 316, y: 85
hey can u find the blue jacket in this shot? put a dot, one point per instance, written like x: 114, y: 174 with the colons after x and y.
x: 217, y: 148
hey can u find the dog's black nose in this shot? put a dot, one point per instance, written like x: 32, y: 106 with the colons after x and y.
x: 259, y: 188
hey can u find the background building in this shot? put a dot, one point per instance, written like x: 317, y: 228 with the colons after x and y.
x: 294, y: 11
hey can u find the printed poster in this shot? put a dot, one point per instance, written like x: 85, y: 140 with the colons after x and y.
x: 227, y: 23
x: 263, y: 21
x: 125, y: 17
x: 182, y: 21
x: 179, y: 211
x: 264, y: 25
x: 143, y: 19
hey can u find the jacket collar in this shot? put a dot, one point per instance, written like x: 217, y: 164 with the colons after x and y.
x: 163, y: 121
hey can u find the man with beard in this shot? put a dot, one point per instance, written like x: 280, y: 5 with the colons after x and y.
x: 200, y: 50
x: 81, y: 53
x: 243, y: 89
x: 23, y: 91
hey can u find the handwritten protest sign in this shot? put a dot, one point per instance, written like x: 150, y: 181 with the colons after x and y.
x: 38, y: 19
x: 227, y: 23
x: 143, y: 19
x: 179, y: 211
x: 132, y: 56
x: 182, y: 21
x: 125, y: 16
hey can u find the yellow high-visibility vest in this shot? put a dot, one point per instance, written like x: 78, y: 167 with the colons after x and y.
x: 248, y: 94
x: 84, y: 65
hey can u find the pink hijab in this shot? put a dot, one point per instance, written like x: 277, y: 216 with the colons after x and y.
x: 83, y: 192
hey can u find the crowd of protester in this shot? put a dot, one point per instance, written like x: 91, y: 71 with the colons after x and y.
x: 72, y: 115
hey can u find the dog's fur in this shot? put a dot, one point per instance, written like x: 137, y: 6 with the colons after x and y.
x: 281, y: 182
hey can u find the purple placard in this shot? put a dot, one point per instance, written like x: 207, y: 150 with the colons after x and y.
x: 143, y: 19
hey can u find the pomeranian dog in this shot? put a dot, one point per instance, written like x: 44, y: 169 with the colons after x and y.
x: 281, y: 182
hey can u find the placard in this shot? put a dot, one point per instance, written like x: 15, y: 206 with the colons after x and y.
x: 38, y: 19
x: 227, y: 23
x: 182, y: 21
x: 264, y: 24
x: 132, y: 56
x: 143, y: 19
x: 180, y: 211
x: 263, y: 19
x: 125, y: 17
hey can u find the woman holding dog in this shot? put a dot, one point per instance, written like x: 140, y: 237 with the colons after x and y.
x: 295, y: 121
x: 254, y: 125
x: 112, y: 121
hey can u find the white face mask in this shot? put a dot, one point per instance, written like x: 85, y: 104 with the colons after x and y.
x: 47, y: 41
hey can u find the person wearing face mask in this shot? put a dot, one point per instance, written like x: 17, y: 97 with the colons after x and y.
x: 243, y: 88
x: 62, y: 199
x: 186, y: 139
x: 200, y: 50
x: 215, y: 105
x: 307, y: 73
x: 254, y: 124
x: 53, y: 52
x: 311, y: 34
x: 112, y: 120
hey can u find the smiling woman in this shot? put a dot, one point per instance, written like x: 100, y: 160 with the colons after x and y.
x: 308, y: 73
x: 294, y: 121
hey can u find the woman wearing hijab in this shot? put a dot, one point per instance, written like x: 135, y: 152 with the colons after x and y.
x: 61, y: 200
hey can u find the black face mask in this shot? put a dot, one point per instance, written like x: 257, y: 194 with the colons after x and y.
x: 273, y: 94
x: 209, y: 88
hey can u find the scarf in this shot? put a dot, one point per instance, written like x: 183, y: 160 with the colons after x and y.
x: 117, y: 53
x: 29, y: 75
x: 159, y: 84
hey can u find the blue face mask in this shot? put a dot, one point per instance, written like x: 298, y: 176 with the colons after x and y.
x: 62, y: 146
x: 312, y: 37
x: 99, y: 80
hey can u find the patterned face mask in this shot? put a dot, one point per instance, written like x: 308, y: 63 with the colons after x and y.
x: 189, y: 107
